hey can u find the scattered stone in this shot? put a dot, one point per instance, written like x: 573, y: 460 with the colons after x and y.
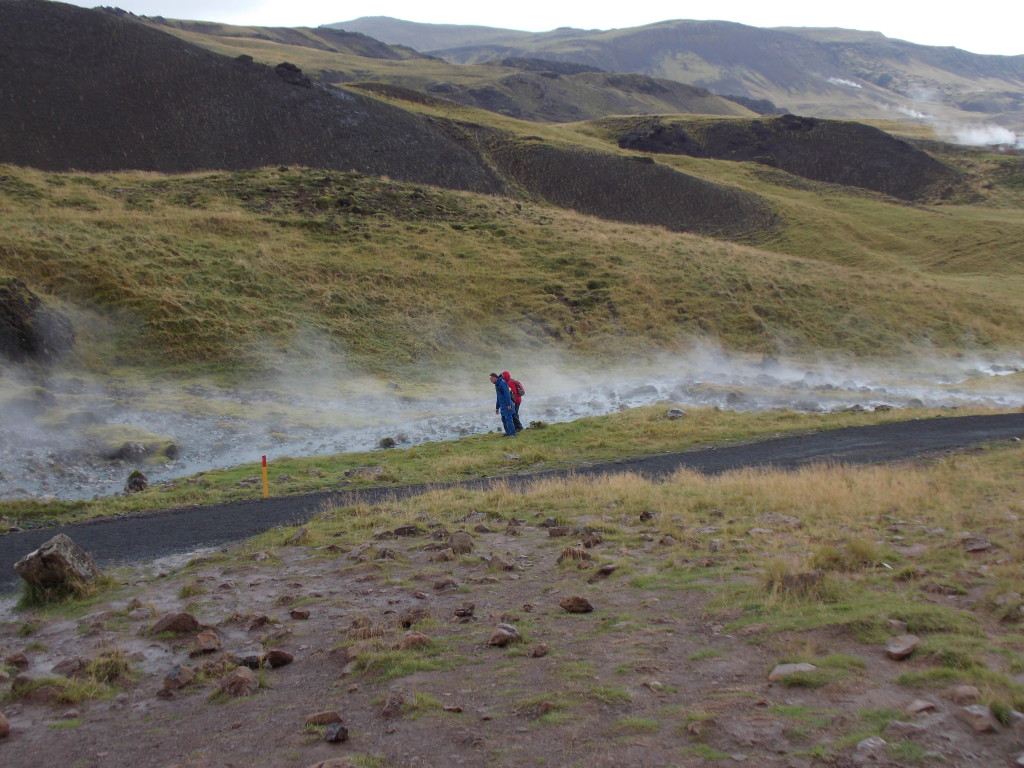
x: 904, y: 729
x: 451, y: 708
x: 298, y: 538
x: 250, y: 660
x: 443, y: 556
x: 396, y: 701
x: 871, y: 744
x: 275, y: 657
x: 465, y: 610
x: 178, y: 678
x: 58, y: 564
x: 668, y: 540
x: 783, y: 671
x: 674, y: 413
x: 963, y: 694
x: 335, y: 733
x: 899, y: 648
x: 256, y: 622
x: 324, y: 718
x: 299, y: 614
x: 592, y: 539
x: 207, y: 641
x: 445, y: 583
x: 779, y: 520
x: 413, y: 616
x: 498, y: 563
x: 504, y: 634
x: 975, y: 544
x: 574, y: 554
x: 240, y: 682
x: 408, y: 529
x: 419, y: 594
x: 136, y: 482
x: 461, y: 542
x: 917, y: 706
x: 69, y: 668
x: 481, y: 528
x: 979, y: 717
x: 180, y: 623
x: 576, y: 604
x: 414, y: 640
x: 603, y: 572
x: 897, y: 626
x: 17, y: 660
x: 386, y: 554
x: 561, y: 530
x: 540, y: 651
x: 646, y: 516
x: 655, y: 685
x: 807, y: 583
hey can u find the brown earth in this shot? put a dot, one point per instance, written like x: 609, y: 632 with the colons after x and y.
x: 650, y: 677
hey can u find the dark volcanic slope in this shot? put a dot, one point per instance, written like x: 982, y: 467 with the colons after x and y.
x: 127, y: 539
x: 832, y: 151
x: 87, y: 90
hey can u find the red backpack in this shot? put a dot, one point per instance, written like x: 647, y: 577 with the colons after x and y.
x: 520, y: 389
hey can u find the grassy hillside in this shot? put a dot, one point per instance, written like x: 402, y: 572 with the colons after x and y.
x: 215, y: 270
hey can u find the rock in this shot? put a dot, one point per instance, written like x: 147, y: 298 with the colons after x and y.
x: 177, y: 623
x: 904, y: 729
x: 445, y: 583
x: 136, y: 482
x: 298, y: 538
x: 386, y: 442
x: 396, y: 701
x: 540, y: 651
x: 871, y: 744
x: 917, y: 706
x: 442, y: 556
x: 461, y: 542
x: 504, y: 634
x: 975, y: 544
x: 574, y: 554
x: 240, y: 682
x: 58, y: 564
x: 408, y: 530
x: 979, y: 717
x: 498, y: 563
x: 561, y: 530
x: 336, y: 733
x: 132, y: 452
x: 576, y: 604
x: 414, y: 640
x: 646, y: 516
x: 299, y: 614
x: 783, y: 671
x: 17, y: 660
x: 178, y: 678
x: 5, y: 727
x: 963, y: 694
x: 29, y: 331
x: 899, y: 648
x: 275, y: 657
x: 591, y: 540
x: 465, y: 610
x: 207, y: 641
x: 324, y: 718
x: 674, y: 413
x: 897, y: 626
x: 413, y: 616
x: 69, y: 668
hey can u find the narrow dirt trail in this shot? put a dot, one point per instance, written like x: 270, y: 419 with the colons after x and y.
x: 163, y: 532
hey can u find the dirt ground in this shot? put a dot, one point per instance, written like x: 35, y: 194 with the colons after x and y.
x: 649, y: 678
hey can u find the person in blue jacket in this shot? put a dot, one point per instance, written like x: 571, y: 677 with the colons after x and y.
x: 503, y: 405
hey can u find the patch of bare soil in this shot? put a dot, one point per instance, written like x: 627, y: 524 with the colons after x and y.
x: 649, y: 677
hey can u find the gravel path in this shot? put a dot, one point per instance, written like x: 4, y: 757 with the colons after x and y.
x: 160, y: 533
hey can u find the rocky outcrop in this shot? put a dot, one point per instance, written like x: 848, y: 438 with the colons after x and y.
x: 28, y: 330
x: 59, y: 563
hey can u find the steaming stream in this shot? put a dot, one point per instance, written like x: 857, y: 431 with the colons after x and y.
x: 215, y: 428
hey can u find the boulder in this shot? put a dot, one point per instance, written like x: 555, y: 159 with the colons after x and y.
x: 136, y: 482
x: 59, y: 563
x: 177, y: 623
x: 28, y: 331
x: 241, y: 681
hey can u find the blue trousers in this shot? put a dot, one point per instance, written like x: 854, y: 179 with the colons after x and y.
x: 507, y: 421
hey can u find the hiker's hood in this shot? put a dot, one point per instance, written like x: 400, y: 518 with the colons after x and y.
x: 506, y: 376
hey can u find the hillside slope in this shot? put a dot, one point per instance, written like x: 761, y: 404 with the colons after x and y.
x: 84, y: 89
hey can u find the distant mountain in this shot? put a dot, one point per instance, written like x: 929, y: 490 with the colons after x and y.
x: 821, y: 72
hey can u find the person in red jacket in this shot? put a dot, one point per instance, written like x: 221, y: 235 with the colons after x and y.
x: 517, y: 390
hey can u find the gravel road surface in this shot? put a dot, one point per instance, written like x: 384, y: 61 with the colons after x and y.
x: 160, y: 533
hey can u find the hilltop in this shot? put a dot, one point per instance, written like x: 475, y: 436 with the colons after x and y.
x: 818, y: 72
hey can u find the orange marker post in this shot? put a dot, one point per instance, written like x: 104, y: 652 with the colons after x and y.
x: 266, y: 486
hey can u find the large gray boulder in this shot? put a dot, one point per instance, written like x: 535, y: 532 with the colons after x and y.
x: 58, y: 563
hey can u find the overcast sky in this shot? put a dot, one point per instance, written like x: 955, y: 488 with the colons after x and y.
x: 992, y: 27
